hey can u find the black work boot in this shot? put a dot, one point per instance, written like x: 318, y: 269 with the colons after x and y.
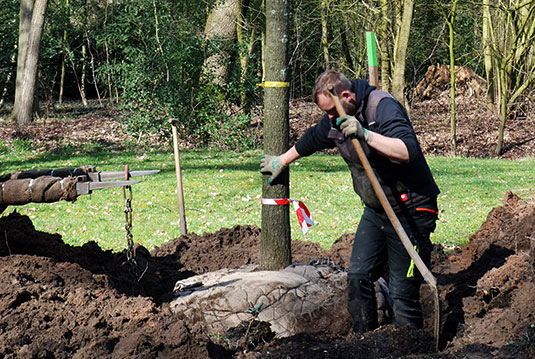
x: 385, y: 303
x: 361, y: 304
x: 407, y: 312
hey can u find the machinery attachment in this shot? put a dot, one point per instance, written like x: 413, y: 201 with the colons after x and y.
x: 53, y: 185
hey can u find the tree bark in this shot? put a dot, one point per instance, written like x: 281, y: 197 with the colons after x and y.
x: 345, y: 46
x: 508, y: 38
x: 487, y: 50
x: 384, y: 55
x: 453, y: 109
x: 157, y: 36
x: 63, y: 60
x: 220, y: 27
x: 82, y: 80
x: 6, y: 84
x: 400, y: 52
x: 244, y: 55
x: 275, y: 251
x: 325, y: 33
x: 25, y: 20
x: 28, y: 61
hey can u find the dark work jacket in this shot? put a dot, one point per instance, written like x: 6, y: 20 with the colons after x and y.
x: 406, y: 185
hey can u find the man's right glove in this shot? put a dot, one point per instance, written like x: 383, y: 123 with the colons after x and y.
x: 350, y: 126
x: 273, y: 165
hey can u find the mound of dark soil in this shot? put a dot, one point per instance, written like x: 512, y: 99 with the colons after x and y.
x: 59, y: 301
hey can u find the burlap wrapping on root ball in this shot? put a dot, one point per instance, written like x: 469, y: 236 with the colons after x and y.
x: 42, y: 189
x: 60, y: 172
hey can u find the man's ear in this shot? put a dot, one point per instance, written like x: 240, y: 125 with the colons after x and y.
x: 347, y: 96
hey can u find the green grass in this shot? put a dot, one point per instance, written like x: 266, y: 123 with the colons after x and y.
x: 223, y: 189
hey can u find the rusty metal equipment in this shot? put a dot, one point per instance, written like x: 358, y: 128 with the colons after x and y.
x: 53, y: 185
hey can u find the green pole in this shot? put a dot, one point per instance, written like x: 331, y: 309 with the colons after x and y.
x: 372, y: 59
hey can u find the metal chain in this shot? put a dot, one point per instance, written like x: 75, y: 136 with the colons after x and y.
x: 130, y: 252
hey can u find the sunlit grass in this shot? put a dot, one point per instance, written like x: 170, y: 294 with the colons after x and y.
x: 223, y: 189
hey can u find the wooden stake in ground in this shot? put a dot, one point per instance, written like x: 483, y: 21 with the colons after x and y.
x: 181, y: 208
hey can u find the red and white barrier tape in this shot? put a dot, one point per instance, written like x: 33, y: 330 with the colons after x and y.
x: 303, y: 215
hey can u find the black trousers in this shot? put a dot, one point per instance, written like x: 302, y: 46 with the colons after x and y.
x: 377, y: 248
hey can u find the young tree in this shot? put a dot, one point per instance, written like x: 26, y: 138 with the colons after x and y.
x: 401, y: 43
x: 509, y: 36
x: 64, y: 57
x: 450, y: 19
x: 32, y: 18
x: 384, y: 48
x: 275, y: 251
x: 325, y: 32
x: 249, y: 18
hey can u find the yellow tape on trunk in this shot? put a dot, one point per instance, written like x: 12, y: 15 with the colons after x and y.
x: 274, y: 84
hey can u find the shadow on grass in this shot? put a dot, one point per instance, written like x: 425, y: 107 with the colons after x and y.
x: 209, y: 159
x: 77, y: 154
x: 198, y: 160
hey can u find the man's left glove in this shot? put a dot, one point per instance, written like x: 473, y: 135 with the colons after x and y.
x: 273, y: 165
x: 351, y: 127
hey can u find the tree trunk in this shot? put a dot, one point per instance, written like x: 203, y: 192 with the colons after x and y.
x: 63, y: 60
x: 263, y: 45
x: 157, y: 36
x: 92, y: 59
x: 508, y: 42
x: 453, y: 110
x: 325, y: 32
x: 244, y: 55
x: 345, y: 46
x: 107, y: 49
x: 275, y: 251
x: 6, y: 84
x: 487, y: 50
x: 400, y: 52
x: 220, y: 27
x: 503, y: 110
x: 384, y: 55
x: 28, y: 60
x: 82, y: 80
x: 25, y: 20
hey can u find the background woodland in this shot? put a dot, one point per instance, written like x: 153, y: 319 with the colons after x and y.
x: 201, y: 62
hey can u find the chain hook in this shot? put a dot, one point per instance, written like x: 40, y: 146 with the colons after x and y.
x: 127, y: 195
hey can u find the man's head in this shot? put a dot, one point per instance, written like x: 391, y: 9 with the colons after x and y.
x: 342, y: 86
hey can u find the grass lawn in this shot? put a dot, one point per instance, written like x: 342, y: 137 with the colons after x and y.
x: 223, y: 189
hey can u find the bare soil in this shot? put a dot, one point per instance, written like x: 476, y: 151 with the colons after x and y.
x: 59, y: 301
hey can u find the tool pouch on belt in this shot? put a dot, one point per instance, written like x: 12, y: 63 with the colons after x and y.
x: 42, y: 189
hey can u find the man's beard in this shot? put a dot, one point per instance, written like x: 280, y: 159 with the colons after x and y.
x: 349, y: 108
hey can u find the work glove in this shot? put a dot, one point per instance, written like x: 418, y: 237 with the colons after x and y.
x: 273, y: 165
x: 351, y: 127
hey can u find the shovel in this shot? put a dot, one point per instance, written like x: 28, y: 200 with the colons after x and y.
x: 426, y: 273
